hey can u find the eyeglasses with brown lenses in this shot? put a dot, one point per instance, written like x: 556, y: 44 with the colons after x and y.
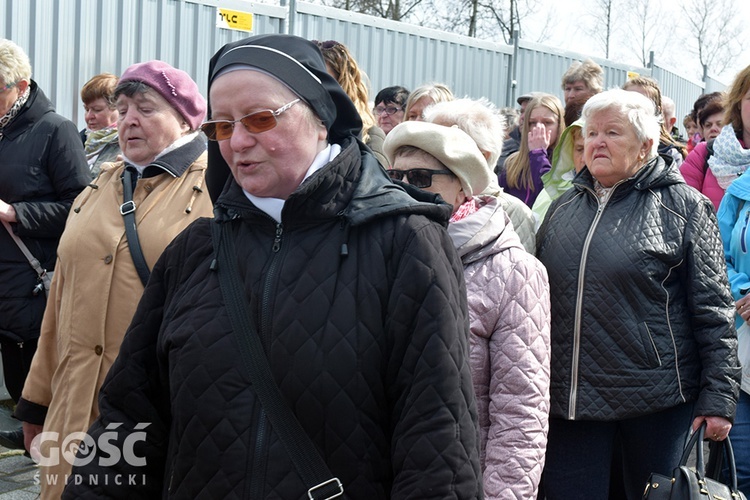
x: 257, y: 122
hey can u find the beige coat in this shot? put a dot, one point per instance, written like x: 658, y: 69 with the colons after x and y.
x: 95, y: 292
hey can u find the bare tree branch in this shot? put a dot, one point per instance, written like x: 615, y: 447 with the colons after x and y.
x: 602, y: 30
x: 646, y: 28
x: 715, y: 29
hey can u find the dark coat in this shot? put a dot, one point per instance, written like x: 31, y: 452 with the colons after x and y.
x: 645, y: 274
x: 510, y: 146
x: 359, y: 300
x: 42, y: 170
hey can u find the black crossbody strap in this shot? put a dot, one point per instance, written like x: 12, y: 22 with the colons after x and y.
x: 304, y: 455
x: 127, y: 210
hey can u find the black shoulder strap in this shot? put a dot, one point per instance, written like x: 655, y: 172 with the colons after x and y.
x: 303, y: 453
x: 710, y: 152
x: 127, y: 210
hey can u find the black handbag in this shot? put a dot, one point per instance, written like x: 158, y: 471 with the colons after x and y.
x: 689, y: 484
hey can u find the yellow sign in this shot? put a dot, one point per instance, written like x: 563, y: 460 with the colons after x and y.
x: 633, y: 74
x: 234, y: 20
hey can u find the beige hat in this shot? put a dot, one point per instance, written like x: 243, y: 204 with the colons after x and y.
x: 450, y: 145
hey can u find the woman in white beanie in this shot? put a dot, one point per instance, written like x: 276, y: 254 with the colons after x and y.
x: 508, y: 297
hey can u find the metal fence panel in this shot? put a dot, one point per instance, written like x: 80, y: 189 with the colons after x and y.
x: 393, y: 53
x: 68, y: 41
x: 681, y: 90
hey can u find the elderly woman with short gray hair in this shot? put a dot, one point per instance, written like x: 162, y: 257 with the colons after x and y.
x: 643, y: 340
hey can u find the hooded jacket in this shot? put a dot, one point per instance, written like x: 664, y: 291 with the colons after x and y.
x: 42, y: 170
x: 508, y: 295
x: 560, y: 177
x: 358, y: 298
x: 698, y: 174
x: 734, y: 220
x: 642, y: 317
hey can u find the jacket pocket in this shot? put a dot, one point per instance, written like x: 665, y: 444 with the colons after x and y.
x: 649, y: 350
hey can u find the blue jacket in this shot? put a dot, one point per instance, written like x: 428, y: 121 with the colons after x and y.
x: 734, y: 218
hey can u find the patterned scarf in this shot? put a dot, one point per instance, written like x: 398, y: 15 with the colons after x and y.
x: 97, y: 139
x: 13, y: 111
x: 730, y: 159
x: 465, y: 210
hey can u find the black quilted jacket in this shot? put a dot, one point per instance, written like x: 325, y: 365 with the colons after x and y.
x: 358, y: 298
x: 642, y: 317
x: 42, y: 170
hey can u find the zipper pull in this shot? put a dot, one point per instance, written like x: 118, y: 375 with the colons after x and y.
x: 277, y: 239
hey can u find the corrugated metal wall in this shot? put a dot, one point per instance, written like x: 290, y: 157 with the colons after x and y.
x: 682, y: 91
x: 69, y: 41
x: 393, y: 53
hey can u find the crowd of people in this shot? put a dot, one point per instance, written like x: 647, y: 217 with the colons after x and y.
x: 289, y: 288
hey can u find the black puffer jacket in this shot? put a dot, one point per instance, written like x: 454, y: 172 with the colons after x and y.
x: 358, y: 298
x: 42, y: 170
x: 642, y: 317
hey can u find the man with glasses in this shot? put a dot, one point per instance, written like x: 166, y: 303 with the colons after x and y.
x: 389, y: 107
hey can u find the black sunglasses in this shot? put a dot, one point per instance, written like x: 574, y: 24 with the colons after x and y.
x: 418, y: 177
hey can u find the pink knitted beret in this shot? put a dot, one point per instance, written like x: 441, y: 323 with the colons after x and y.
x: 174, y: 85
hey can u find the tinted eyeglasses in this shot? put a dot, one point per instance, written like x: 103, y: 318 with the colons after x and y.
x: 417, y: 177
x: 257, y: 122
x: 389, y: 110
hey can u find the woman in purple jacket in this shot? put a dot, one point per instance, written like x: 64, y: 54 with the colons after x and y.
x: 508, y: 298
x: 543, y: 125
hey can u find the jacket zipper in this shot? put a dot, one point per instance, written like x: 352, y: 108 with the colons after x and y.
x: 743, y: 233
x: 579, y: 309
x: 259, y: 459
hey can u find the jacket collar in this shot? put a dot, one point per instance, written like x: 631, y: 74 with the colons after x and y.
x: 656, y: 173
x: 353, y: 187
x: 176, y: 162
x: 36, y: 106
x: 484, y: 233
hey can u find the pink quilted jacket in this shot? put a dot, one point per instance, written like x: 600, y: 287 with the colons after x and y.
x: 695, y: 173
x: 509, y: 309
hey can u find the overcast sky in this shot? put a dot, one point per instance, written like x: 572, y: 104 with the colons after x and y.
x: 671, y: 55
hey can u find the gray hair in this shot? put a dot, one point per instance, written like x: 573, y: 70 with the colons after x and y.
x: 479, y: 119
x: 587, y: 72
x: 14, y: 63
x: 638, y: 109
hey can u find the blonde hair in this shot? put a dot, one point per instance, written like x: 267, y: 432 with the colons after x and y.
x: 352, y: 79
x: 733, y: 99
x: 438, y: 92
x: 518, y: 168
x: 653, y: 92
x: 14, y: 63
